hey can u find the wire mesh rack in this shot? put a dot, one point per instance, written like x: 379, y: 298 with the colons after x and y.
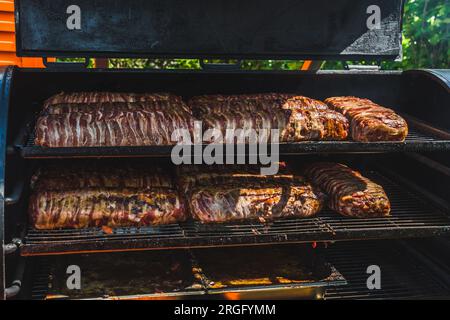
x: 402, y: 275
x: 411, y: 216
x: 421, y: 137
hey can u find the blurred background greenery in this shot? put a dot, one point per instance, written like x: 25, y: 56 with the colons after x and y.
x: 426, y: 37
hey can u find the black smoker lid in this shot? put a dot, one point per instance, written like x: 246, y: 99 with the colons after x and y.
x: 239, y: 29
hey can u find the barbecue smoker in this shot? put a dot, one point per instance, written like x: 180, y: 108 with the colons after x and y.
x: 411, y: 247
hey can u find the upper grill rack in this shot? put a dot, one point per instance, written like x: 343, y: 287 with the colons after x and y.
x: 411, y: 217
x: 422, y: 137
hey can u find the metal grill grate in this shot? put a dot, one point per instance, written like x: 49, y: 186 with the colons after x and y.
x: 40, y: 279
x: 415, y: 135
x: 411, y: 217
x: 421, y: 137
x: 402, y: 276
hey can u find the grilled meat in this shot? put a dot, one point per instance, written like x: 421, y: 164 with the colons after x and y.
x: 93, y: 197
x: 86, y: 120
x: 104, y: 207
x: 298, y: 118
x: 93, y: 98
x: 370, y: 121
x: 350, y: 194
x: 73, y: 177
x: 218, y: 204
x: 195, y: 176
x: 225, y: 197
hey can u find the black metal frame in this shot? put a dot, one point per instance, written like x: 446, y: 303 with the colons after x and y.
x: 5, y: 82
x: 416, y: 86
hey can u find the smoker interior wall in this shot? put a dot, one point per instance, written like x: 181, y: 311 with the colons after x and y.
x: 427, y: 97
x: 426, y: 173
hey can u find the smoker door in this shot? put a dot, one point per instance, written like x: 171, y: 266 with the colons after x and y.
x: 251, y: 29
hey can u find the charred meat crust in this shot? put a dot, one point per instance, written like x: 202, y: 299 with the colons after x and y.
x: 370, y: 121
x: 70, y: 177
x: 225, y: 196
x: 350, y: 194
x: 86, y: 119
x: 111, y: 119
x: 297, y: 118
x: 110, y: 197
x: 87, y: 98
x: 99, y: 207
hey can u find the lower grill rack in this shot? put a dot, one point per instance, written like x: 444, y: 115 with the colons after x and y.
x: 289, y: 271
x: 411, y: 217
x: 402, y: 275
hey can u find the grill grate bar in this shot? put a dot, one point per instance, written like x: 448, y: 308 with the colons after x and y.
x: 403, y: 276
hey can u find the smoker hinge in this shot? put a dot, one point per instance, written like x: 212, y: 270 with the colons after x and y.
x: 14, y: 290
x: 360, y: 67
x: 13, y: 246
x: 66, y: 65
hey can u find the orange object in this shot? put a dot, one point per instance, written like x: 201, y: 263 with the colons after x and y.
x: 306, y: 65
x: 311, y: 65
x: 232, y: 296
x: 8, y: 40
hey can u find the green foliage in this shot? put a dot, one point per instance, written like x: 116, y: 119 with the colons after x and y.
x: 155, y: 63
x: 426, y: 36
